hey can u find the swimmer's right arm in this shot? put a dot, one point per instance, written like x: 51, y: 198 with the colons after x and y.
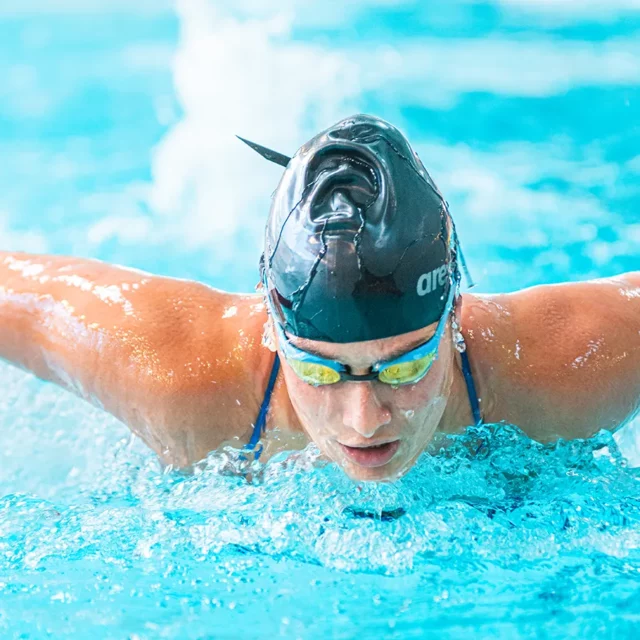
x: 137, y: 345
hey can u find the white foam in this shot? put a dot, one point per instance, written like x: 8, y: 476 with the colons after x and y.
x: 235, y: 74
x: 247, y: 78
x: 437, y: 71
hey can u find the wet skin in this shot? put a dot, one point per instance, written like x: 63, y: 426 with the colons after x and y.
x: 185, y: 367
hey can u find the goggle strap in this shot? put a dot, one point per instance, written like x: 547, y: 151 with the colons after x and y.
x: 463, y: 262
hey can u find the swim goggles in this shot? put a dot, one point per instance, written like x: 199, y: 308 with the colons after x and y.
x: 408, y: 368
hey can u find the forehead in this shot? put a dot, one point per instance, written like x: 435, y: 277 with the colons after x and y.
x: 367, y: 352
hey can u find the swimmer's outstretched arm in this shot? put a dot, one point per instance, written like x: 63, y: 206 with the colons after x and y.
x: 564, y: 359
x: 165, y: 356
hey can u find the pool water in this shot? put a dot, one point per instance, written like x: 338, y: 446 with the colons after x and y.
x: 116, y: 139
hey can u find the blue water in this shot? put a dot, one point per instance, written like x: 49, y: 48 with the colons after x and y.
x: 116, y: 141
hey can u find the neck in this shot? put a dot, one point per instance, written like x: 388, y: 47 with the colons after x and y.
x: 457, y: 414
x: 281, y: 414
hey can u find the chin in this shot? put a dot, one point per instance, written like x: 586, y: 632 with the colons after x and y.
x: 369, y: 475
x: 386, y: 473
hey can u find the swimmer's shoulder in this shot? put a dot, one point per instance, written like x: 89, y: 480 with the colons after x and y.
x: 558, y: 360
x: 178, y: 361
x: 214, y: 367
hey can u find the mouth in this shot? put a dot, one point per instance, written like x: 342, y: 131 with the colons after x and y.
x: 375, y: 456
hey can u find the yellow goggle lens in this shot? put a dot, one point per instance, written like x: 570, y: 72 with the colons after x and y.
x: 407, y: 372
x: 314, y: 373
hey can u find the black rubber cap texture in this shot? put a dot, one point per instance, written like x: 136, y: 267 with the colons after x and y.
x: 357, y: 241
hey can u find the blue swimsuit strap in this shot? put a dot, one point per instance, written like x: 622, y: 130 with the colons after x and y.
x: 471, y: 388
x: 261, y: 422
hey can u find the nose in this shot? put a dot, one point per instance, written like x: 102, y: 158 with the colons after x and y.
x: 363, y: 412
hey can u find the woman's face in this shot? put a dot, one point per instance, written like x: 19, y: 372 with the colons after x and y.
x: 374, y: 431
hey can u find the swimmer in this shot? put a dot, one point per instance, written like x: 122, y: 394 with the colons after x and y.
x: 358, y: 339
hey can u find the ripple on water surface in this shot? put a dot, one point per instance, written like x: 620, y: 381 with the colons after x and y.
x: 496, y: 533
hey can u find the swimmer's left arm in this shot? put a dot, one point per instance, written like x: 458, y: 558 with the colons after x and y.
x: 565, y: 359
x: 600, y: 355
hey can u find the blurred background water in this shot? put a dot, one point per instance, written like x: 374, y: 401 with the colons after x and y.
x: 117, y: 124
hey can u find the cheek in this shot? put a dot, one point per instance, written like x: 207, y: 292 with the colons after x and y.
x: 314, y: 405
x: 419, y: 396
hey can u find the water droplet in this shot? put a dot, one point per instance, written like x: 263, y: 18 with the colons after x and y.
x: 458, y: 340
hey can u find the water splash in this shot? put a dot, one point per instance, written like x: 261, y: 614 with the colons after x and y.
x: 553, y: 525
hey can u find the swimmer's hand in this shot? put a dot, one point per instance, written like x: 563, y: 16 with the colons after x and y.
x: 165, y: 356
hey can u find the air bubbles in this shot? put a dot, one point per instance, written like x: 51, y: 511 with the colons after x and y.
x: 492, y: 498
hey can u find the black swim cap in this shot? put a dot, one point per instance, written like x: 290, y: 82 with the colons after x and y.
x: 358, y: 242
